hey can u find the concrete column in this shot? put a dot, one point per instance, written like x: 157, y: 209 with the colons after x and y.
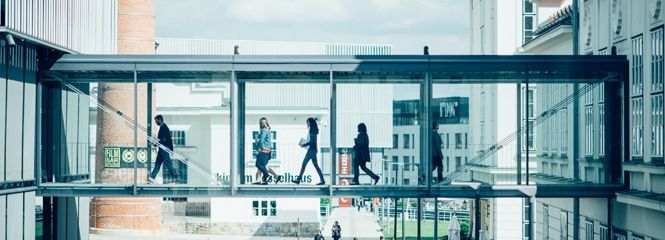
x: 136, y: 35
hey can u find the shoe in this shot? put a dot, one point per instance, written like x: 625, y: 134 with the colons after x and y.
x: 256, y: 183
x: 354, y: 183
x: 321, y: 183
x: 263, y: 183
x: 376, y: 180
x: 296, y: 182
x: 279, y: 179
x: 151, y: 180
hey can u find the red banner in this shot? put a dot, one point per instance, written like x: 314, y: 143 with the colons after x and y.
x: 344, y: 163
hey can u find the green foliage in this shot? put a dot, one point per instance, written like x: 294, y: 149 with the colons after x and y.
x: 324, y: 201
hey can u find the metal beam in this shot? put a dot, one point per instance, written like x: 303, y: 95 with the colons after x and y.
x: 366, y: 69
x: 286, y: 191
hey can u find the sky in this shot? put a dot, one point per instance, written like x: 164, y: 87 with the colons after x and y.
x: 407, y: 25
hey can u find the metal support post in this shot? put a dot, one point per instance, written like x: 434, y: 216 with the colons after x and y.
x: 38, y: 134
x: 518, y: 153
x: 420, y: 216
x: 476, y: 218
x: 610, y: 222
x: 436, y: 218
x: 136, y: 136
x: 402, y: 212
x: 241, y: 130
x: 149, y: 130
x: 233, y: 154
x: 333, y: 130
x: 394, y: 218
x: 426, y: 131
x: 576, y: 218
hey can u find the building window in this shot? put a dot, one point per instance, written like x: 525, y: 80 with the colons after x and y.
x: 546, y: 222
x: 601, y: 128
x: 273, y: 147
x: 603, y: 233
x: 530, y: 102
x: 264, y: 208
x: 657, y: 125
x: 458, y: 141
x: 466, y: 141
x: 657, y: 92
x: 405, y: 181
x: 178, y: 137
x: 657, y: 60
x: 529, y: 6
x: 395, y: 162
x: 635, y: 236
x: 637, y: 66
x: 637, y: 127
x: 563, y: 225
x: 458, y: 162
x: 589, y: 230
x: 588, y: 130
x: 407, y: 141
x: 526, y: 215
x: 407, y: 166
x: 448, y: 163
x: 447, y: 141
x: 395, y: 141
x: 528, y: 21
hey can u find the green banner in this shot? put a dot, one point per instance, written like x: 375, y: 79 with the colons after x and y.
x: 123, y: 157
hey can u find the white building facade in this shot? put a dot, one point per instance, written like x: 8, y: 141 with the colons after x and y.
x: 634, y: 29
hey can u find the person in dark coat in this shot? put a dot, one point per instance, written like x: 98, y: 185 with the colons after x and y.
x: 164, y: 136
x: 437, y: 155
x: 336, y: 231
x: 312, y: 149
x: 361, y: 149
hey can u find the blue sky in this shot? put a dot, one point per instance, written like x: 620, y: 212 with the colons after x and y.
x: 406, y: 24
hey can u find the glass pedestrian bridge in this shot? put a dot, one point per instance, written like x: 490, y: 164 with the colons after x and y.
x: 511, y: 126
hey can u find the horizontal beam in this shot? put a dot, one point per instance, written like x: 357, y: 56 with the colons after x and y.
x: 287, y: 191
x: 349, y: 69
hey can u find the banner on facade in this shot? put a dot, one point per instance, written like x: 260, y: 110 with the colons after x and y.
x: 344, y: 163
x: 123, y: 157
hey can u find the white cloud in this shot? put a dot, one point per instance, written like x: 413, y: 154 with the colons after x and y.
x: 288, y: 10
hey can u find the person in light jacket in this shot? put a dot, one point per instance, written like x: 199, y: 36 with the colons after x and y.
x: 264, y: 145
x: 312, y: 149
x: 362, y: 155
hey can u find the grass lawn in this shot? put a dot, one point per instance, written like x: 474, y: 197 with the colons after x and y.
x: 411, y: 229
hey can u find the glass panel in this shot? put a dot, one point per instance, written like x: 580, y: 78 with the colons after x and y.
x: 287, y: 108
x: 386, y: 110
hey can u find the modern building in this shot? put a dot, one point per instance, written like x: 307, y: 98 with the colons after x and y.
x: 634, y: 29
x: 33, y: 35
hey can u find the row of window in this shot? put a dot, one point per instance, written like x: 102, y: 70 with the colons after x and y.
x: 408, y: 163
x: 554, y: 129
x: 656, y: 95
x: 408, y: 141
